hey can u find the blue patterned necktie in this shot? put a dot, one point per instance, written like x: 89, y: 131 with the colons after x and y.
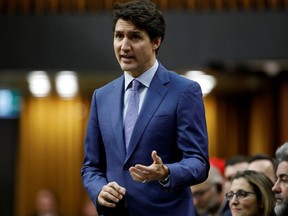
x: 132, y: 111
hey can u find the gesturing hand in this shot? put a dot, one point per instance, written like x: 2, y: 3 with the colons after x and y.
x: 111, y: 194
x: 156, y: 171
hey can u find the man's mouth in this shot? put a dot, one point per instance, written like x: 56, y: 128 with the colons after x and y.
x: 126, y: 56
x: 279, y: 199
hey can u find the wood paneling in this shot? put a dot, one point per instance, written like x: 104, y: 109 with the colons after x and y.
x: 211, y: 118
x: 51, y: 152
x: 283, y: 114
x: 82, y: 6
x: 262, y: 124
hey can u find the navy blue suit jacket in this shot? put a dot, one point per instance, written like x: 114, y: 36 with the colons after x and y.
x: 172, y: 122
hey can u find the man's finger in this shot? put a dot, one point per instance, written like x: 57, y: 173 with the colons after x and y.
x: 117, y: 188
x: 156, y: 158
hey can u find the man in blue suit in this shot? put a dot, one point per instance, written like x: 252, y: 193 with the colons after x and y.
x: 168, y: 151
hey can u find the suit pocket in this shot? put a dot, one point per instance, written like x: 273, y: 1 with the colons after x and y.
x: 160, y: 122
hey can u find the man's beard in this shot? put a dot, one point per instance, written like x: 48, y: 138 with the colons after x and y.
x: 281, y: 209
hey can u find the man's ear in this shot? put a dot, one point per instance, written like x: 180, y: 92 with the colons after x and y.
x: 156, y: 43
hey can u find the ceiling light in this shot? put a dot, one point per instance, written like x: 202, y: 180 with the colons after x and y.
x: 67, y: 84
x: 206, y: 82
x: 39, y: 83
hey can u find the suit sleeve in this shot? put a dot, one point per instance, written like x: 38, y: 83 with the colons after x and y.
x: 94, y: 166
x: 192, y: 140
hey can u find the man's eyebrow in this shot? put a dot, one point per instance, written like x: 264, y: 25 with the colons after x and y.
x: 129, y: 32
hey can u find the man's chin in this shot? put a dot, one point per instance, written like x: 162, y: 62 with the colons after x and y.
x: 281, y: 209
x: 201, y: 211
x: 126, y: 67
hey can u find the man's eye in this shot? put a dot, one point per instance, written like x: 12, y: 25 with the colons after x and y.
x: 118, y: 36
x: 135, y: 37
x: 229, y: 179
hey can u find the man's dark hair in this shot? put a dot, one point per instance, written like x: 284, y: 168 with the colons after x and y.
x: 261, y: 157
x: 236, y: 159
x: 257, y: 157
x: 144, y: 15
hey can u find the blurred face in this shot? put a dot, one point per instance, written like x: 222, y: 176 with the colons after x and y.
x: 243, y: 205
x: 264, y: 166
x: 230, y: 172
x: 134, y: 50
x: 45, y: 202
x: 280, y: 188
x: 206, y: 199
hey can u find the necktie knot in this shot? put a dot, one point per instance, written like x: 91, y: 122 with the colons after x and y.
x: 135, y: 85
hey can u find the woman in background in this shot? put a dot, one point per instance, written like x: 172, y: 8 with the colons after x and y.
x: 251, y: 194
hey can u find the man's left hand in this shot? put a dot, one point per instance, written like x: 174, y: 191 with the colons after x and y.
x: 156, y: 171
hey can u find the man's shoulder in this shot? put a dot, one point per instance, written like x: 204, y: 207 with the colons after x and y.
x: 173, y: 75
x: 112, y: 84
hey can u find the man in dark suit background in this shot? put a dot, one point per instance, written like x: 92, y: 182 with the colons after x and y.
x: 280, y: 187
x: 149, y: 172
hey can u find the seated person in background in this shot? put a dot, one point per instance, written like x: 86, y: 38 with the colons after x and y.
x: 219, y: 163
x: 89, y: 208
x: 46, y: 203
x: 208, y: 197
x: 232, y: 165
x: 251, y: 194
x: 263, y: 163
x: 280, y: 188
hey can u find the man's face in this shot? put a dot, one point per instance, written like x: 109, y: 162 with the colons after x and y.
x: 280, y: 188
x: 264, y: 166
x: 133, y: 48
x: 230, y: 171
x: 205, y: 197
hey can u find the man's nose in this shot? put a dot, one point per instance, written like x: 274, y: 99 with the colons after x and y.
x: 125, y: 44
x: 276, y: 188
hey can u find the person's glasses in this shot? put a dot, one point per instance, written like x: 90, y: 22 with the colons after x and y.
x: 241, y: 194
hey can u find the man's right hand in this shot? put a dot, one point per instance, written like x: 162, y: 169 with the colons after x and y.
x: 111, y: 194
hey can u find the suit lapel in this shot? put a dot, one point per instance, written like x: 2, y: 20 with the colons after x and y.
x: 116, y: 111
x: 153, y: 99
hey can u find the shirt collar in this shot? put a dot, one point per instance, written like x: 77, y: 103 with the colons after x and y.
x: 144, y: 78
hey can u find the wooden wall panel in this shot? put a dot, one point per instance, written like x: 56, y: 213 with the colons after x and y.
x: 80, y: 6
x: 283, y: 112
x: 262, y: 124
x: 51, y: 153
x: 211, y: 118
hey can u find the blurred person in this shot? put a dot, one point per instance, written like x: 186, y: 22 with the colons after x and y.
x: 280, y: 187
x: 251, y: 194
x: 219, y: 163
x: 232, y: 166
x: 149, y: 172
x: 209, y: 197
x: 263, y: 163
x: 46, y: 203
x: 89, y: 208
